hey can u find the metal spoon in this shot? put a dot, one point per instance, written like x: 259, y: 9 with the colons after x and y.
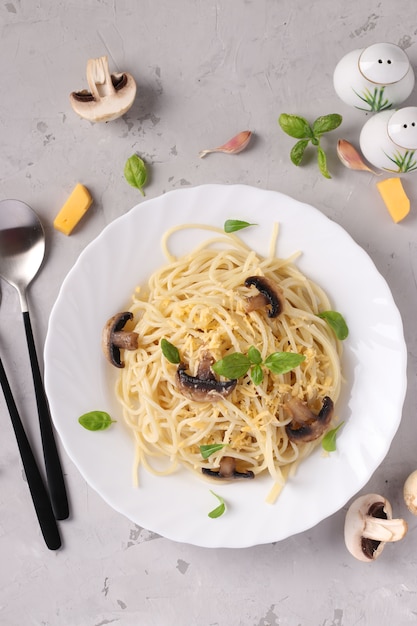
x: 22, y: 249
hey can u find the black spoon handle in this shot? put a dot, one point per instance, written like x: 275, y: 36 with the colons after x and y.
x: 53, y: 467
x: 37, y: 488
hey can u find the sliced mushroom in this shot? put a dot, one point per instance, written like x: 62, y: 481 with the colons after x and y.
x: 369, y: 525
x: 110, y: 95
x: 269, y: 294
x: 227, y: 470
x: 410, y: 492
x: 204, y: 387
x: 114, y: 338
x: 306, y: 425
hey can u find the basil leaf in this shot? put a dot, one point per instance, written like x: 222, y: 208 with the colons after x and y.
x: 295, y: 126
x: 336, y: 321
x: 257, y: 374
x: 298, y: 150
x: 230, y: 226
x: 326, y: 123
x: 322, y: 161
x: 232, y: 365
x: 135, y: 172
x: 169, y: 351
x: 218, y: 511
x: 96, y: 420
x: 282, y: 362
x: 210, y: 448
x: 254, y: 355
x: 329, y: 440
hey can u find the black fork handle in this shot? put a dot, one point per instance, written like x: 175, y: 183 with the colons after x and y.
x: 34, y: 479
x: 53, y: 467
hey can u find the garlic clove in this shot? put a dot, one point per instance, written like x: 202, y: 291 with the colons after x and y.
x: 233, y: 146
x: 350, y: 157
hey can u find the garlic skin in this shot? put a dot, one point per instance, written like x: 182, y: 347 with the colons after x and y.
x: 350, y: 157
x: 233, y: 146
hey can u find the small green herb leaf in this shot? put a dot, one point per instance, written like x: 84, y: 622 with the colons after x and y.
x: 257, y: 374
x: 329, y: 440
x: 96, y: 420
x: 231, y: 226
x: 326, y: 123
x: 295, y: 126
x: 282, y: 362
x: 135, y: 172
x: 336, y: 321
x: 169, y: 351
x: 298, y: 150
x: 322, y: 161
x: 218, y: 511
x: 232, y: 365
x: 210, y: 448
x: 254, y: 355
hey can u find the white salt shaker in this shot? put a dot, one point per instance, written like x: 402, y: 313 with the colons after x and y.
x: 375, y: 78
x: 388, y: 140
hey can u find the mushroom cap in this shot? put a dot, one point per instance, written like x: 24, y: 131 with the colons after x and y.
x: 269, y: 293
x: 305, y: 425
x: 410, y: 492
x: 204, y: 387
x: 369, y: 525
x: 113, y: 338
x: 110, y: 95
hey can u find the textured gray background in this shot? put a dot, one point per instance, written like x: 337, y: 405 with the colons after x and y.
x: 205, y: 70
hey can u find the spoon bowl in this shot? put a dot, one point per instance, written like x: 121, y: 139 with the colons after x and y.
x: 22, y: 250
x: 22, y: 245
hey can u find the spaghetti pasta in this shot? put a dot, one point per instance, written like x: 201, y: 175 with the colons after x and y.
x: 198, y: 303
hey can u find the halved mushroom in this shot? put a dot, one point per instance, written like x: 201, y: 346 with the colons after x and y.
x: 227, y: 470
x: 369, y: 525
x: 204, y: 387
x: 110, y: 95
x: 114, y: 338
x: 410, y: 492
x: 306, y: 425
x: 269, y: 294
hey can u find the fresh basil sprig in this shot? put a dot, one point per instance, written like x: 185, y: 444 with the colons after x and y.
x: 219, y: 510
x: 329, y: 440
x: 169, y: 351
x: 231, y: 226
x: 337, y: 322
x: 136, y: 173
x: 299, y: 128
x: 236, y: 364
x: 96, y: 420
x: 207, y: 450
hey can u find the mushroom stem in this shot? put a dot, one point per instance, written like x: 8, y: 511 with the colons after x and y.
x: 126, y: 340
x: 384, y: 529
x: 99, y: 78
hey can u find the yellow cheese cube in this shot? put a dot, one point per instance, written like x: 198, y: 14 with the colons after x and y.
x: 73, y: 210
x: 395, y: 198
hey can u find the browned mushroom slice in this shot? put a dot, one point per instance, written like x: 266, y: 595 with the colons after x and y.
x: 204, y: 387
x: 306, y: 425
x: 114, y: 338
x: 227, y: 470
x: 269, y: 294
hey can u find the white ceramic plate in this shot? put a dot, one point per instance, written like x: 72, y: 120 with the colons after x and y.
x: 78, y: 379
